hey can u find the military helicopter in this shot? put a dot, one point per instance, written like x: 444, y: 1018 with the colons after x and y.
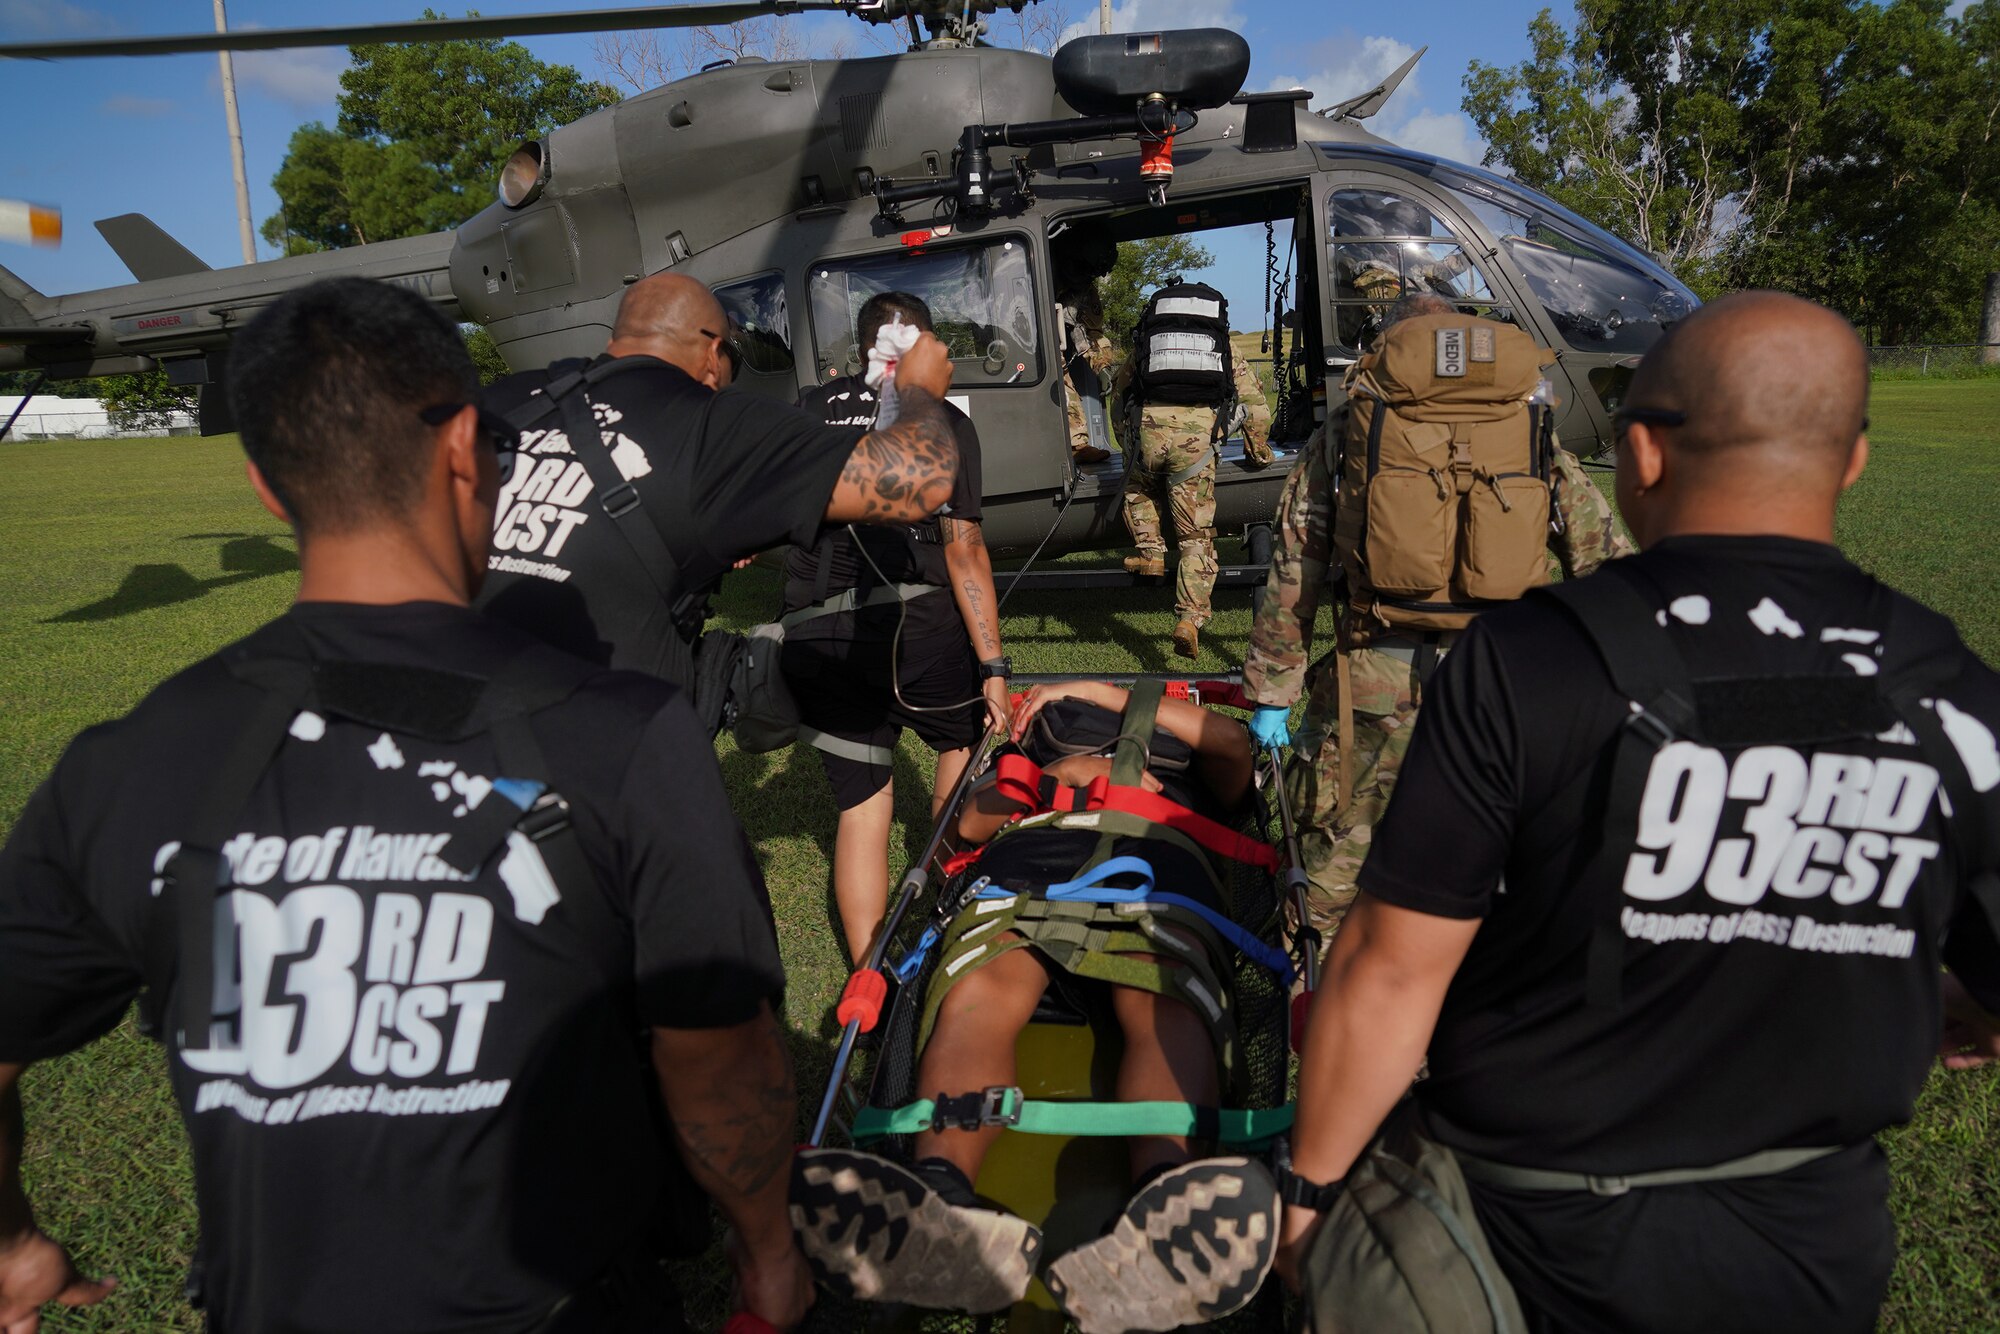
x: 958, y: 171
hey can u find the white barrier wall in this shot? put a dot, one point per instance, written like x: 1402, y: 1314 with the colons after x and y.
x: 49, y: 418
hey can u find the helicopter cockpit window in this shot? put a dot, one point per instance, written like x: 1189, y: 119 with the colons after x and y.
x: 1385, y: 246
x: 1599, y: 300
x: 982, y: 300
x: 761, y: 320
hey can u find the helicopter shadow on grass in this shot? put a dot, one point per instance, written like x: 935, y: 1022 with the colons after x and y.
x: 244, y: 556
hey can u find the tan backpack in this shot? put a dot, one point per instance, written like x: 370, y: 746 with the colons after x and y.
x: 1443, y: 472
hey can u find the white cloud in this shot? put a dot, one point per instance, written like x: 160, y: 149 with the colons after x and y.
x: 1349, y: 67
x: 1152, y: 15
x: 306, y: 80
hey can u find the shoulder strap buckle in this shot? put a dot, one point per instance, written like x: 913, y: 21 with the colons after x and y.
x: 1651, y: 727
x: 545, y: 819
x: 619, y: 500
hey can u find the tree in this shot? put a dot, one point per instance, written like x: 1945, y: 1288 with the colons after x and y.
x: 1634, y: 120
x: 422, y: 132
x: 1142, y: 267
x: 485, y: 352
x: 1846, y: 151
x: 145, y: 402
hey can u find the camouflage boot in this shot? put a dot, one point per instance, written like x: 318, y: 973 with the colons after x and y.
x: 1187, y: 639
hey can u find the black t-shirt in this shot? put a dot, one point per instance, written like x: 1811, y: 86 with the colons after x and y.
x: 1784, y: 917
x: 431, y: 1109
x: 1034, y: 859
x: 905, y: 554
x: 722, y: 476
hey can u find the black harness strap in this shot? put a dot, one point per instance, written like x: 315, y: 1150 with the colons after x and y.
x: 196, y: 875
x: 1647, y: 670
x: 567, y: 396
x: 1973, y: 841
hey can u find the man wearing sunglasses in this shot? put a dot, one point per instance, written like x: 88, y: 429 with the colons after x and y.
x: 1669, y: 881
x: 453, y: 1004
x: 610, y: 549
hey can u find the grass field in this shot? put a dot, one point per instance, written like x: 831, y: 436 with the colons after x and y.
x: 131, y: 559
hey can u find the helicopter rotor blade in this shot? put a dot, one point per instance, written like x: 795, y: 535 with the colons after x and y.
x: 434, y: 30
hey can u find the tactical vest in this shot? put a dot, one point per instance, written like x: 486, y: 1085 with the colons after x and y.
x: 1181, y: 347
x: 1443, y: 476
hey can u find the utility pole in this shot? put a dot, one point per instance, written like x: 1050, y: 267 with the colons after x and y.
x: 1103, y: 16
x: 236, y: 145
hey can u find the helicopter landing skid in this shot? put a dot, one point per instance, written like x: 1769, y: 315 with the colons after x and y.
x: 1230, y: 576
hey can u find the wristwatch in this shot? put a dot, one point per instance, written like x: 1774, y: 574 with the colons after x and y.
x: 1306, y: 1193
x: 1002, y: 667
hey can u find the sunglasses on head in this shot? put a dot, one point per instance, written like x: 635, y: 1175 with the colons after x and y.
x: 505, y: 439
x: 729, y: 350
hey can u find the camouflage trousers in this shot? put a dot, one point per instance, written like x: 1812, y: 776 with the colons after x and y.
x: 1079, y: 429
x: 1333, y: 840
x: 1164, y: 449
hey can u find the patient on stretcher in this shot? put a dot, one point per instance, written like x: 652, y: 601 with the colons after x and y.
x: 1106, y: 828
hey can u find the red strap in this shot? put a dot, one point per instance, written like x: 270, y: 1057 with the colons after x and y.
x: 958, y: 861
x: 1217, y: 838
x: 1019, y: 779
x: 1301, y: 1007
x: 745, y: 1322
x: 862, y: 999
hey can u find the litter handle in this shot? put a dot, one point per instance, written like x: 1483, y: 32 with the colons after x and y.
x: 862, y: 999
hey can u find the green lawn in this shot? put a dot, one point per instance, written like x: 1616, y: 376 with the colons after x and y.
x: 131, y: 559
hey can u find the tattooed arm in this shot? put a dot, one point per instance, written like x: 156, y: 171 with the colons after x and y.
x: 33, y: 1269
x: 905, y: 472
x: 971, y: 568
x: 734, y: 1110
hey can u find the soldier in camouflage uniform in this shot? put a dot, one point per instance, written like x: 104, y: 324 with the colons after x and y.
x: 1334, y: 833
x: 1083, y: 340
x: 1174, y: 456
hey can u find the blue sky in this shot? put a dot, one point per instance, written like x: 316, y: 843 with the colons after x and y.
x: 108, y: 136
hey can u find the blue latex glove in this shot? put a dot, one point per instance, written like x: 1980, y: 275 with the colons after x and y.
x: 1272, y: 725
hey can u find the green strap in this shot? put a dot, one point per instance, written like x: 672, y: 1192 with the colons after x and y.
x: 855, y: 600
x: 1245, y: 1128
x: 1769, y: 1163
x: 1194, y: 469
x: 1135, y: 732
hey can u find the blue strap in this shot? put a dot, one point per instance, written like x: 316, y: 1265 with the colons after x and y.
x: 913, y: 962
x: 1090, y: 888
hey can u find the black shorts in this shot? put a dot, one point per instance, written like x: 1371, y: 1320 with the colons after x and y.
x: 842, y: 688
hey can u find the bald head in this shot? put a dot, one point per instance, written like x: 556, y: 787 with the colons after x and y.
x: 663, y: 316
x: 1760, y: 369
x: 1772, y: 391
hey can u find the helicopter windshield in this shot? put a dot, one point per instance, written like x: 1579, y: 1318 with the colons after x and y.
x: 982, y: 300
x: 1602, y: 294
x: 1387, y: 245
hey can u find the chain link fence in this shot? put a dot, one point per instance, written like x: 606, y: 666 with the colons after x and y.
x: 1949, y: 361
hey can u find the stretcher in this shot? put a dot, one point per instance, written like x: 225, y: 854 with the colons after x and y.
x: 1061, y: 1162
